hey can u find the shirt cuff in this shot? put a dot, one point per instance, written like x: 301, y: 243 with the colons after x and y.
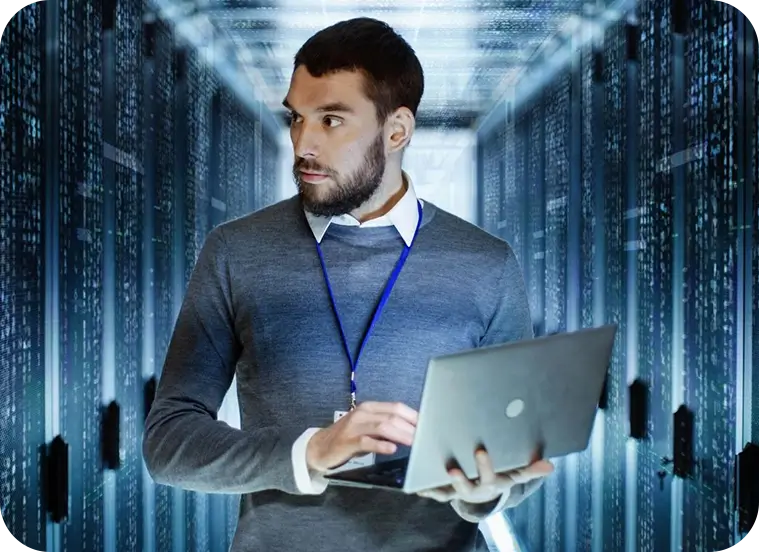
x: 306, y: 481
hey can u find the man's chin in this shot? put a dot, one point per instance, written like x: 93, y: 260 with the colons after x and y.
x: 324, y: 208
x: 315, y: 205
x: 321, y: 210
x: 325, y: 201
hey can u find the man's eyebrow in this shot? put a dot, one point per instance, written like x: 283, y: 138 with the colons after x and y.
x: 334, y: 107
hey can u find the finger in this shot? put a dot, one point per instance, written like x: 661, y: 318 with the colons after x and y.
x: 461, y: 483
x: 389, y: 432
x: 366, y: 444
x: 540, y: 468
x: 542, y: 465
x: 485, y: 467
x: 535, y: 471
x: 389, y: 428
x: 398, y: 423
x: 398, y: 427
x: 395, y: 408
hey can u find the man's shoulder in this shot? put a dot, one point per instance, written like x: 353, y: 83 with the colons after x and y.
x: 268, y: 221
x: 457, y: 231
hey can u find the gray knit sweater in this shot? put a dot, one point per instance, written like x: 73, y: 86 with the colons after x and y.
x: 257, y: 306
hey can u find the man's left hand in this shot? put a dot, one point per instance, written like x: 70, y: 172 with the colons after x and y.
x: 489, y: 486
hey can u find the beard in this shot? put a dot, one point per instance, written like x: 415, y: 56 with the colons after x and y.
x: 347, y: 193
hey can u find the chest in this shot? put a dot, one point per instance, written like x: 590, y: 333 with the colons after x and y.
x: 293, y: 350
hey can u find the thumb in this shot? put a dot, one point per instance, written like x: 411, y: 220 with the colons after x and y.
x: 542, y: 467
x: 534, y: 471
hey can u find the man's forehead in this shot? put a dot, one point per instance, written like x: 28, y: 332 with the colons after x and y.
x: 342, y: 91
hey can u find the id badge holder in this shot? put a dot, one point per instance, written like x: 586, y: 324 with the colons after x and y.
x: 353, y: 463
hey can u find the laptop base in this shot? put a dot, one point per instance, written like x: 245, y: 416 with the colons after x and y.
x: 390, y: 474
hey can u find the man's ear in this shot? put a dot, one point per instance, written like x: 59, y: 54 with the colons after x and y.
x: 399, y: 127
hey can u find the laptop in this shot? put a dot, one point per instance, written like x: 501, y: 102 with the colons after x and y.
x: 522, y: 401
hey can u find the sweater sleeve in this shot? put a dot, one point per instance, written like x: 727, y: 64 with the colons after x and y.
x: 184, y: 444
x: 511, y: 319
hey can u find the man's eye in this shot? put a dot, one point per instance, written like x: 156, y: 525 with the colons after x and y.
x: 332, y: 121
x: 292, y: 118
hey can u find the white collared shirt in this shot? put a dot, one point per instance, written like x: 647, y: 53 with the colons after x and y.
x: 404, y: 216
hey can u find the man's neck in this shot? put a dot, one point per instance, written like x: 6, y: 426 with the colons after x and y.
x: 382, y: 203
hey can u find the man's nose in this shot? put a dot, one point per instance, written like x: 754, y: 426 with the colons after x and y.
x: 306, y: 142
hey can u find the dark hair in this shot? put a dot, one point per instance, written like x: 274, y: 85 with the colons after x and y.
x: 392, y: 73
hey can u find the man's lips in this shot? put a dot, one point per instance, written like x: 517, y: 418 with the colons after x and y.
x: 312, y: 177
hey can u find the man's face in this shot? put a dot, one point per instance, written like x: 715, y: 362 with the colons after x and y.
x: 337, y: 141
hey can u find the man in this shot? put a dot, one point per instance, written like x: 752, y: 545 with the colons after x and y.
x: 285, y: 298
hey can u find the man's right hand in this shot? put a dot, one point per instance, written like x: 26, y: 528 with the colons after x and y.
x: 376, y: 427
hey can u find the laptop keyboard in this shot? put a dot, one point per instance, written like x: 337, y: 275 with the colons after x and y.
x: 391, y: 473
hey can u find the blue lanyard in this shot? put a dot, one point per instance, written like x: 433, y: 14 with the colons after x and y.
x: 377, y: 311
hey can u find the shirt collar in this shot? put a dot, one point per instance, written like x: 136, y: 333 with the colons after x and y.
x: 404, y: 216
